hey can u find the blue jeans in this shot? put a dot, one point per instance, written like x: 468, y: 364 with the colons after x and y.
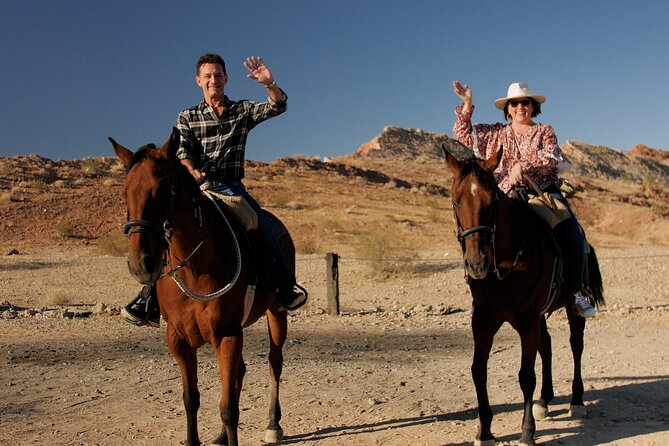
x: 264, y: 228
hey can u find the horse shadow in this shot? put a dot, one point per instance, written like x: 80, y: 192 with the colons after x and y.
x: 644, y: 396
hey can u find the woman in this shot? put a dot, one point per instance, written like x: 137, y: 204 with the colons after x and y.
x: 530, y: 149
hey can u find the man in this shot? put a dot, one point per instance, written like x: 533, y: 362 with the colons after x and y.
x: 212, y: 147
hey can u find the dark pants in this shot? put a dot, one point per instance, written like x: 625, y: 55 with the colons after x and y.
x: 571, y: 238
x: 264, y: 228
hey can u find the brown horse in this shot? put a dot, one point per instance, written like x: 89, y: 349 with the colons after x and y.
x: 175, y: 233
x: 510, y: 259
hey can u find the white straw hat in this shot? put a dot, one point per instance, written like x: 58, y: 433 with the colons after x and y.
x: 518, y: 90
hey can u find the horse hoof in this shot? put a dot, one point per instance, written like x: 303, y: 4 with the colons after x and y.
x: 273, y: 436
x: 484, y: 442
x: 539, y: 411
x: 578, y: 411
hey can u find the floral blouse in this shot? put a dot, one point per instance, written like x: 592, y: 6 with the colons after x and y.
x: 537, y: 150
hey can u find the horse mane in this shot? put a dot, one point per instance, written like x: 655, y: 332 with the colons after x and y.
x: 474, y: 167
x: 139, y: 155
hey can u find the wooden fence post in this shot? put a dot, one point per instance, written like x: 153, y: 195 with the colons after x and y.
x: 332, y: 277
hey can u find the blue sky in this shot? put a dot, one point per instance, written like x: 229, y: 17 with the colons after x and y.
x: 77, y: 71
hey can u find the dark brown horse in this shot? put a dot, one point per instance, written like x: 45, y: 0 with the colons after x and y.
x: 176, y: 235
x: 510, y: 259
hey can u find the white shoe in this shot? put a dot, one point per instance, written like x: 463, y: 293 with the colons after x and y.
x: 583, y: 307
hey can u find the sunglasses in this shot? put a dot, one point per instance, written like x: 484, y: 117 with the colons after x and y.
x: 525, y: 102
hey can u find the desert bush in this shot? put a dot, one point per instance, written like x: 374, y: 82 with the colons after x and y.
x: 8, y: 197
x: 38, y: 185
x: 109, y: 182
x: 58, y: 298
x: 113, y: 244
x: 306, y: 246
x: 47, y: 175
x: 59, y: 184
x: 386, y: 254
x: 434, y: 215
x: 65, y: 228
x: 93, y: 166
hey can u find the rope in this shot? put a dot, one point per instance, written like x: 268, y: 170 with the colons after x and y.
x: 238, y: 255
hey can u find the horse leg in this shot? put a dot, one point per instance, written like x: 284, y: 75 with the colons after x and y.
x: 540, y: 408
x: 277, y: 325
x: 484, y: 328
x: 529, y: 340
x: 222, y: 438
x: 231, y: 371
x: 576, y: 331
x: 186, y: 357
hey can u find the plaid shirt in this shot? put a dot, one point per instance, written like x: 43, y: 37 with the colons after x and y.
x: 217, y: 144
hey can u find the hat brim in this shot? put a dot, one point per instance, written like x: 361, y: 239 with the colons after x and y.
x: 501, y: 102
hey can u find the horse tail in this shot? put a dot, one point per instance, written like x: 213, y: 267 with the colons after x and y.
x: 594, y: 284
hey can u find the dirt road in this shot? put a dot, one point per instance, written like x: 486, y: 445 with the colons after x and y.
x: 393, y: 369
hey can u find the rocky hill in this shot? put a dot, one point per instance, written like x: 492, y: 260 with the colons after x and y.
x: 396, y: 184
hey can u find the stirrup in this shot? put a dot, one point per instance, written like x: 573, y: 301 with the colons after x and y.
x: 139, y: 312
x: 299, y: 299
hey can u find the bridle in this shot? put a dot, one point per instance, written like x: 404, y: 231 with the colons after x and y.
x: 148, y: 227
x: 486, y: 235
x: 140, y: 226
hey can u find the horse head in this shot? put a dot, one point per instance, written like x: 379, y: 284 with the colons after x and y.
x: 474, y: 195
x: 149, y: 191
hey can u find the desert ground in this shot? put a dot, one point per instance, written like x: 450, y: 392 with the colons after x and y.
x: 391, y: 369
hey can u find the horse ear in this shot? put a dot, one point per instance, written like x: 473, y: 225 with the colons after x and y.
x: 123, y: 154
x: 172, y: 144
x: 492, y: 162
x: 451, y: 161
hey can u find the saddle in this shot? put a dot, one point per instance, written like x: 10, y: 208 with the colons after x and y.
x: 243, y: 217
x: 521, y: 195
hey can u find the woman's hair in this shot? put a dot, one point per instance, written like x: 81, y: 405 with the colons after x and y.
x: 209, y: 58
x: 536, y: 109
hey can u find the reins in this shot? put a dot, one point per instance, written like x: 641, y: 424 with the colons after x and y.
x: 166, y: 231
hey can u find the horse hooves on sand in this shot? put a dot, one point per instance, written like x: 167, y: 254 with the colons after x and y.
x: 539, y: 411
x: 273, y: 436
x: 484, y: 442
x: 578, y: 411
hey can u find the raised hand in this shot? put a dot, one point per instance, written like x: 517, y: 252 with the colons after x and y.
x: 258, y: 71
x: 463, y: 92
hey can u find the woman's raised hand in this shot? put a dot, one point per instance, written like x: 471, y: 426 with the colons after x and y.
x: 463, y: 92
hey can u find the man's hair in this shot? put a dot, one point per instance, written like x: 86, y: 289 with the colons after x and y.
x: 209, y: 58
x: 536, y: 108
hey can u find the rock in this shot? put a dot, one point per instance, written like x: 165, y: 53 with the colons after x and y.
x: 99, y: 308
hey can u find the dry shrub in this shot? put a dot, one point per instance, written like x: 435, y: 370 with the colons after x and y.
x: 109, y: 182
x: 8, y: 197
x: 65, y: 228
x: 58, y: 298
x: 113, y: 244
x: 38, y: 185
x: 60, y: 184
x: 46, y: 174
x: 306, y: 246
x: 93, y: 166
x: 386, y: 254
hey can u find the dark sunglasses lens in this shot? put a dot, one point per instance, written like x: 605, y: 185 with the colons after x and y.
x: 525, y: 102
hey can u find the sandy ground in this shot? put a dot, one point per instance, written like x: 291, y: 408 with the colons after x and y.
x: 393, y: 369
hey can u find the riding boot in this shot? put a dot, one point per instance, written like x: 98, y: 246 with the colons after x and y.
x: 143, y: 309
x: 289, y: 294
x: 572, y: 241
